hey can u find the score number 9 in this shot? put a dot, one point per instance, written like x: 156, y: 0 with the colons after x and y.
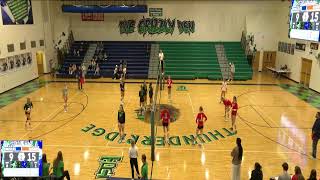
x: 11, y: 156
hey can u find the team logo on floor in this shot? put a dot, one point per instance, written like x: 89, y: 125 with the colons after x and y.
x: 174, y: 112
x: 182, y: 88
x: 107, y: 166
x: 207, y: 137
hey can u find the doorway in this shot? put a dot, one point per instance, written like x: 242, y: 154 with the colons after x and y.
x: 269, y: 59
x: 305, y: 74
x: 255, y: 62
x: 39, y: 57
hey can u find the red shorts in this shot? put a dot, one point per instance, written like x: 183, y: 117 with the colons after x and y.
x: 200, y: 127
x: 234, y: 113
x: 165, y: 124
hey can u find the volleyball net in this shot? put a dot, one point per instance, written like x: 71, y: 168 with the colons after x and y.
x: 155, y: 108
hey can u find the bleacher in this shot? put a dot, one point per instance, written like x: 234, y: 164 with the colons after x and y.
x: 236, y: 54
x: 190, y: 60
x: 136, y: 54
x: 73, y: 59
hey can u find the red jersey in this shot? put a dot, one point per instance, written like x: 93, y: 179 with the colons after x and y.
x: 169, y: 83
x: 201, y: 117
x: 165, y: 116
x: 234, y: 108
x: 227, y: 102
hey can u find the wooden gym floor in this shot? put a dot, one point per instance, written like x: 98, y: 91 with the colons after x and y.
x: 273, y: 123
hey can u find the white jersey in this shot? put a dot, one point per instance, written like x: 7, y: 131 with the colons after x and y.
x: 224, y: 86
x: 232, y: 68
x: 161, y: 56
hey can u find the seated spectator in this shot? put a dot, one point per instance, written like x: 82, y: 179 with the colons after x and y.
x: 144, y: 168
x: 313, y: 175
x: 74, y: 68
x: 83, y: 68
x: 74, y: 52
x: 58, y: 168
x: 97, y: 71
x: 285, y: 175
x: 285, y: 67
x: 256, y: 174
x: 105, y: 56
x: 297, y: 174
x: 45, y: 167
x: 70, y: 69
x: 90, y: 65
x: 115, y: 73
x: 124, y: 72
x: 78, y: 53
x: 94, y: 63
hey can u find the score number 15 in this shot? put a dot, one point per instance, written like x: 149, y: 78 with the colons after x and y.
x: 305, y: 17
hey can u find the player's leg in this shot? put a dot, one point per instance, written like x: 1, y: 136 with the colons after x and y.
x: 119, y: 128
x: 65, y: 103
x: 168, y: 134
x: 221, y: 96
x: 122, y: 129
x: 234, y: 123
x: 225, y: 111
x: 164, y: 131
x: 201, y: 134
x: 195, y: 139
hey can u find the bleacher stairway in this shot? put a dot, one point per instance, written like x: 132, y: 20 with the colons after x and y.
x: 223, y: 61
x: 236, y: 54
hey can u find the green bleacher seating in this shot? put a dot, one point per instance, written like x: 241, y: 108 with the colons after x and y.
x: 191, y: 60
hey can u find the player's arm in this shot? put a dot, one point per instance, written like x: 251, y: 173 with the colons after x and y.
x: 197, y: 118
x: 205, y: 117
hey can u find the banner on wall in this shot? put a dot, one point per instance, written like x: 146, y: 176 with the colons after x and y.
x: 16, y: 12
x: 152, y: 26
x: 14, y: 63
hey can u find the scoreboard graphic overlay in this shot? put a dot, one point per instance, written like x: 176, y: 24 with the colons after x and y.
x: 21, y: 158
x: 305, y: 20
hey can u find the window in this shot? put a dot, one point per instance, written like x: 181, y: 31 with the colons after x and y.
x: 41, y: 42
x: 33, y: 44
x: 23, y: 46
x: 10, y: 47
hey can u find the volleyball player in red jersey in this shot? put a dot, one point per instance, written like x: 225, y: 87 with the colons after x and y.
x: 165, y: 116
x: 169, y: 83
x: 234, y: 114
x: 201, y: 118
x: 227, y: 104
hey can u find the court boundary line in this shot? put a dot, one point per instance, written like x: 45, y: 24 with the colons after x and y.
x: 114, y: 112
x: 46, y: 119
x: 268, y: 138
x: 169, y: 148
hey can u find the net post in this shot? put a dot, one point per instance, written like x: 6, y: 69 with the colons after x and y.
x: 152, y: 133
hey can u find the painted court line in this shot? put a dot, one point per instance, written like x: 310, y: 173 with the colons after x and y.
x: 191, y: 103
x: 168, y: 148
x: 55, y: 111
x: 274, y: 123
x: 114, y: 113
